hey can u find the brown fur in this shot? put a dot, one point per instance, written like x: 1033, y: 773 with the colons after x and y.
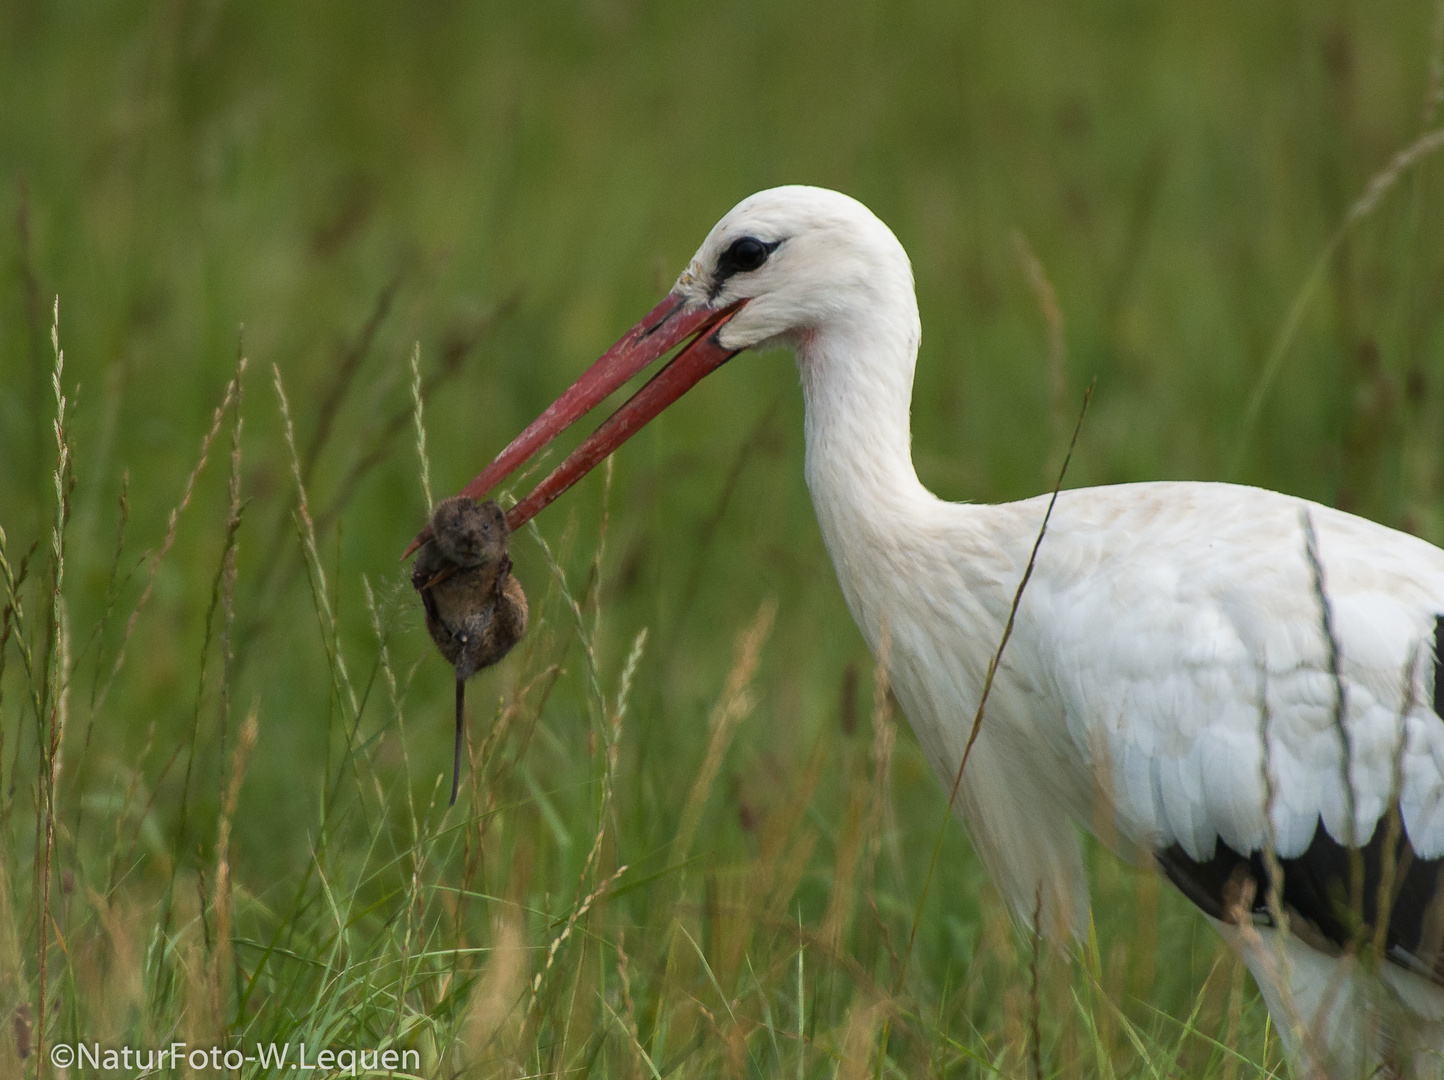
x: 475, y: 608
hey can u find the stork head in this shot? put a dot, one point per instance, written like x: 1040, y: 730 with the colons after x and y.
x: 782, y: 267
x: 799, y: 260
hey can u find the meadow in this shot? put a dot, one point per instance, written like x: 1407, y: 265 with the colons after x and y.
x: 315, y: 264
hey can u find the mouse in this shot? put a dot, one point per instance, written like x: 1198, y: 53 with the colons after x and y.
x: 476, y: 609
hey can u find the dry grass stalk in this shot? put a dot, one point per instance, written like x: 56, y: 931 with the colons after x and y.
x: 492, y: 1021
x: 58, y: 683
x: 1390, y: 872
x: 200, y: 1023
x: 383, y: 658
x: 122, y: 987
x: 624, y: 696
x: 319, y: 591
x: 554, y: 562
x: 1276, y: 961
x: 383, y: 651
x: 582, y: 905
x: 518, y: 706
x: 575, y: 916
x: 858, y: 1035
x: 1340, y: 722
x: 17, y: 1023
x: 594, y: 592
x: 60, y: 706
x: 735, y: 704
x: 1380, y: 183
x: 172, y: 523
x: 419, y: 422
x: 14, y: 621
x: 221, y: 600
x: 1374, y: 191
x: 1275, y: 968
x: 220, y: 965
x: 628, y: 1016
x: 613, y: 734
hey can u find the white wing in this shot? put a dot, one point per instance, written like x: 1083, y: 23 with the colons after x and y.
x: 1175, y: 623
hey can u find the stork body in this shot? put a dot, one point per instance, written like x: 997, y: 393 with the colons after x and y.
x: 1165, y: 629
x: 1168, y: 633
x: 1169, y: 685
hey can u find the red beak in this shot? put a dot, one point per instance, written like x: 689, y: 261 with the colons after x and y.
x: 664, y: 327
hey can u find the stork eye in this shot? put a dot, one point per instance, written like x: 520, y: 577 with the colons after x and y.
x: 746, y: 253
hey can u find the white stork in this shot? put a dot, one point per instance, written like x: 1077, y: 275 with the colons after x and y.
x: 1168, y: 633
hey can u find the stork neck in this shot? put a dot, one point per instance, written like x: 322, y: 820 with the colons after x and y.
x: 857, y: 388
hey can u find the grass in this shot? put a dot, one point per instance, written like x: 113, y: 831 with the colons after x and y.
x: 685, y: 844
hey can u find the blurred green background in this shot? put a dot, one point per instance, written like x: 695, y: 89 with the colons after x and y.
x: 511, y: 185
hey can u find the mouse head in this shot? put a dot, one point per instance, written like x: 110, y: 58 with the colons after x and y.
x: 469, y: 534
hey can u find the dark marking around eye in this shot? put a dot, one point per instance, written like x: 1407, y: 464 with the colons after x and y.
x: 746, y: 253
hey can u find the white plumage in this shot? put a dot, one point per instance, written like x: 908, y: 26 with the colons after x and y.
x: 1161, y: 624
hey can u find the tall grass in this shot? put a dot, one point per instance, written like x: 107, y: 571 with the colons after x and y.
x: 507, y: 936
x: 682, y: 847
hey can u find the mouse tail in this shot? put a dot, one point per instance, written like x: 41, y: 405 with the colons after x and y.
x: 460, y: 729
